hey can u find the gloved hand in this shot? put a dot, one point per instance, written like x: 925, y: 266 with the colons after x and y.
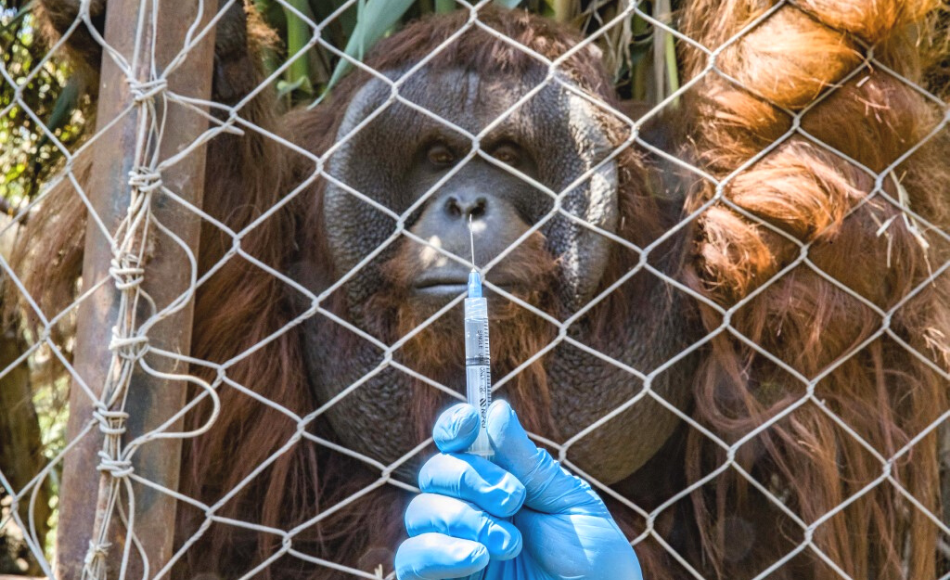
x: 560, y: 528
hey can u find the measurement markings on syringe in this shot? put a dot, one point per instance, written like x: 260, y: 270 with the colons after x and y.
x: 477, y: 357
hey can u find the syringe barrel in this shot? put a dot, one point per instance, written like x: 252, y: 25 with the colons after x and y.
x: 478, y: 369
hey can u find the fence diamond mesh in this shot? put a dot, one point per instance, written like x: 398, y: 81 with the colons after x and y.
x: 725, y: 308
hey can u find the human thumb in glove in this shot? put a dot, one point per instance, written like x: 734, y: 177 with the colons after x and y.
x: 522, y: 516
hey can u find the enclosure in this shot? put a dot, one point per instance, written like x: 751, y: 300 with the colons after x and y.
x: 740, y: 337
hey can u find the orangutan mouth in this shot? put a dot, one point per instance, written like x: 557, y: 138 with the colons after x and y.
x: 443, y: 284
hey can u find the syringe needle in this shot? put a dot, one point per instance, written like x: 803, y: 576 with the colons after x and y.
x: 471, y: 238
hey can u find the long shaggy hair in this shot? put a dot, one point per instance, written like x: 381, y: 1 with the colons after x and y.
x: 817, y: 383
x: 857, y: 327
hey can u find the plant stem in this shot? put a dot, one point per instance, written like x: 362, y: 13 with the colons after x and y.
x: 563, y: 10
x: 298, y: 35
x: 672, y: 70
x: 638, y: 74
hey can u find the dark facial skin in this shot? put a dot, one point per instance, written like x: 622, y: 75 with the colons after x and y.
x: 487, y: 197
x: 401, y: 156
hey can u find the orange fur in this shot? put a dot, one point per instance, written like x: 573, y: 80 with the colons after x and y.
x: 811, y: 193
x: 799, y: 192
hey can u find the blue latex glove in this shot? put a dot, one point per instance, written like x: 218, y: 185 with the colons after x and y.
x: 559, y: 528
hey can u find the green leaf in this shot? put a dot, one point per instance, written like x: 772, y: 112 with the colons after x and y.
x: 284, y: 88
x: 508, y: 3
x: 66, y: 103
x: 373, y: 20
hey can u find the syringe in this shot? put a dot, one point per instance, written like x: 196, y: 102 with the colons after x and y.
x: 477, y: 363
x: 477, y: 356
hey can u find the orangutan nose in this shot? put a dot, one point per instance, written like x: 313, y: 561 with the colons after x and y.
x: 466, y: 206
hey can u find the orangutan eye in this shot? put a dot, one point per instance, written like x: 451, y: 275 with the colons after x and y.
x: 439, y: 154
x: 507, y: 153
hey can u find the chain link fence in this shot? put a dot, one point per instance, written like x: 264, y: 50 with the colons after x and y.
x: 185, y: 179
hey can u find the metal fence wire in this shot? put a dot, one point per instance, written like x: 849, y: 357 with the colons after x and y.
x: 795, y: 397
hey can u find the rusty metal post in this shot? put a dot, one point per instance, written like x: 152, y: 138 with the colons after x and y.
x: 167, y: 275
